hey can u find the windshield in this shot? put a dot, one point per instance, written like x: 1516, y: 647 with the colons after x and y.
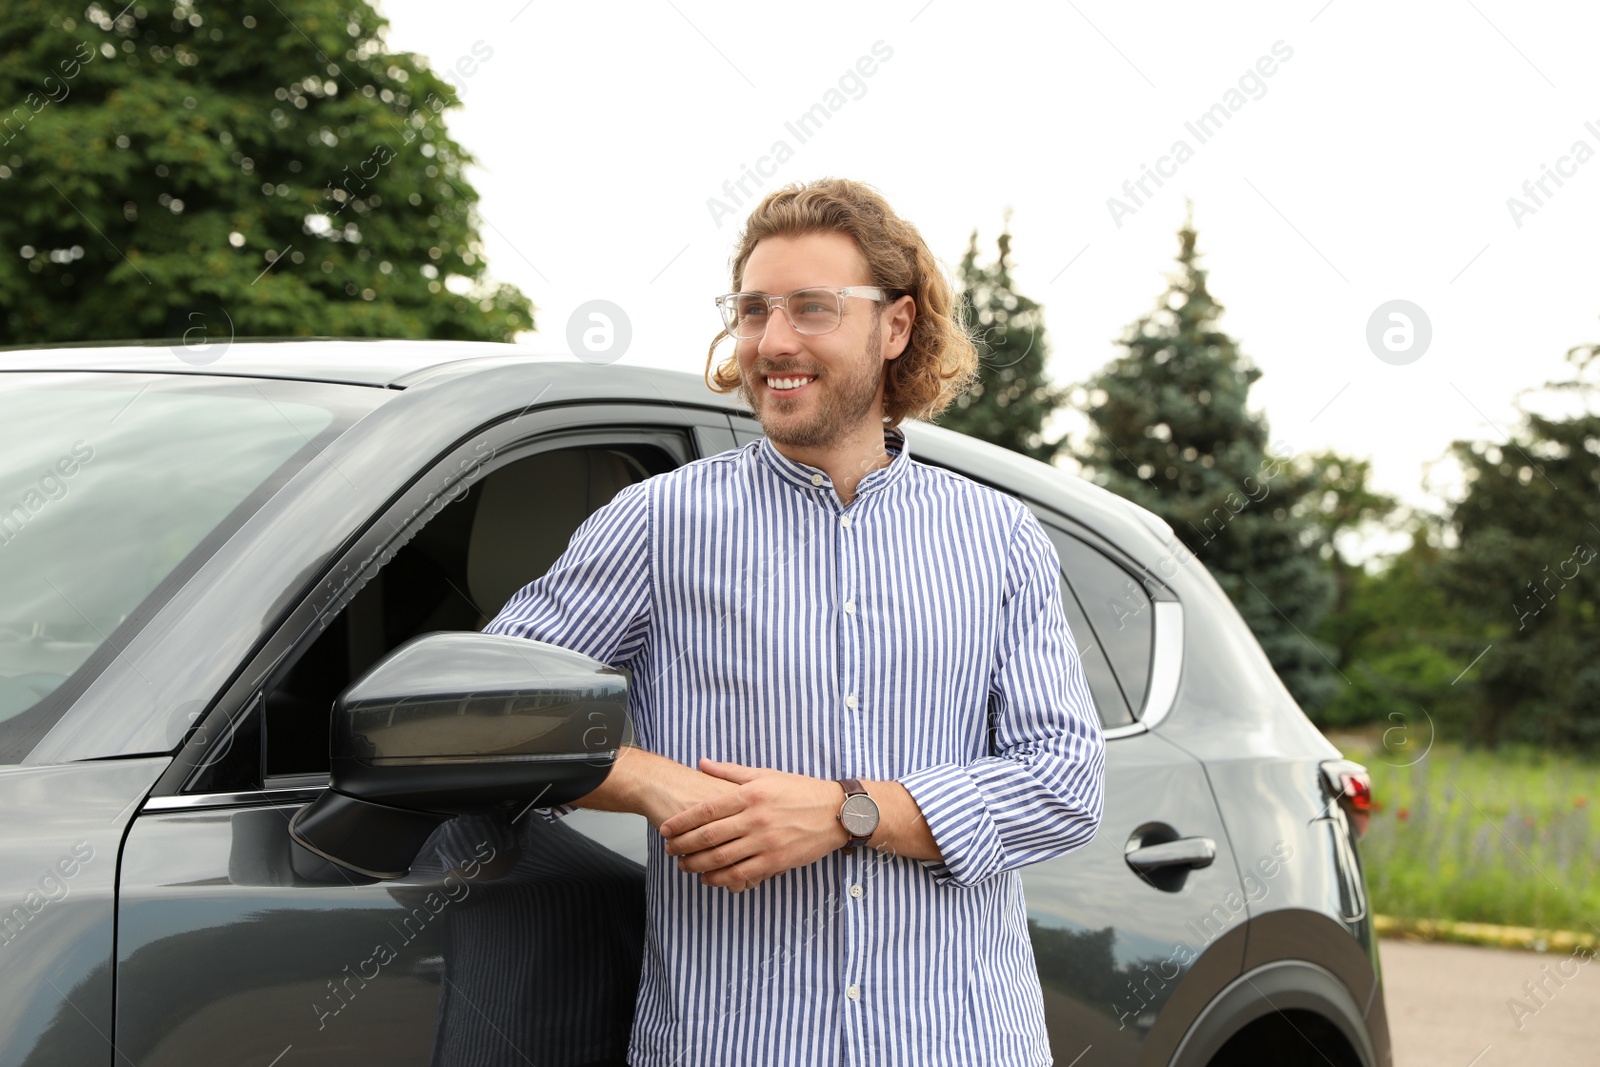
x: 113, y: 487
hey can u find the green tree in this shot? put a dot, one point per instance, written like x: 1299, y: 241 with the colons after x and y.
x: 1171, y: 431
x: 1013, y: 397
x: 260, y: 168
x: 1401, y: 644
x: 1345, y: 507
x: 1527, y: 572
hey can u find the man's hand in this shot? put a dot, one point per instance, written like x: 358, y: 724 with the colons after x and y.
x: 773, y: 821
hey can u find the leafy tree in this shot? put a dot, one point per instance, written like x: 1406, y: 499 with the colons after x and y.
x: 1344, y: 506
x: 1402, y: 645
x: 262, y: 167
x: 1013, y: 397
x: 1527, y: 571
x: 1172, y: 432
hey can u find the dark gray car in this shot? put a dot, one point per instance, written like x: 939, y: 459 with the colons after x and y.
x: 264, y: 788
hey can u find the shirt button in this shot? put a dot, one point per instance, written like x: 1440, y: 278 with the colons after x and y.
x: 816, y: 479
x: 845, y: 521
x: 856, y: 891
x: 849, y: 607
x: 854, y: 992
x: 850, y: 701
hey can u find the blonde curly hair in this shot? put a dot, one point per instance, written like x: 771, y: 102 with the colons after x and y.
x: 940, y: 361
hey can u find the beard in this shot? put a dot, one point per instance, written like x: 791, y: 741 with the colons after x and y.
x: 842, y: 402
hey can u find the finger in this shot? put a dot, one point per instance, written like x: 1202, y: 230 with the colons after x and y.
x: 697, y: 815
x: 709, y: 835
x: 732, y: 772
x: 736, y: 879
x: 718, y: 858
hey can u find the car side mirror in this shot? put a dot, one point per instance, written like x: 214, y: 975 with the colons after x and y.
x: 458, y: 723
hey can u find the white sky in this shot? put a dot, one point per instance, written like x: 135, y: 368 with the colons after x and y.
x: 1376, y: 165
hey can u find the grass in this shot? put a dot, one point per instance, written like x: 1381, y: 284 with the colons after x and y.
x: 1509, y: 837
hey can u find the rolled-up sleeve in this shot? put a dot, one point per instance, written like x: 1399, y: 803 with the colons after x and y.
x: 1041, y: 792
x: 595, y: 599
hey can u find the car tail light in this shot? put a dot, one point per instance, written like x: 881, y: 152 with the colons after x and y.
x: 1349, y: 784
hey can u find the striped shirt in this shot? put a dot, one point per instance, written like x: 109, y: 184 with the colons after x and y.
x: 915, y: 635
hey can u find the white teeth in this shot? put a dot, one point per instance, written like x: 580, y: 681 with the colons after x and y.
x: 786, y: 383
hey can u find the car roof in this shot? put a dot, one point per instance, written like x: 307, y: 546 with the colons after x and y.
x: 397, y: 364
x: 351, y: 361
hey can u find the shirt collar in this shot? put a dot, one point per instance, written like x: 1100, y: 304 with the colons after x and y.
x: 816, y: 480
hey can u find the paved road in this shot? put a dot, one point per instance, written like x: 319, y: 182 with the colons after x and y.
x: 1452, y: 1005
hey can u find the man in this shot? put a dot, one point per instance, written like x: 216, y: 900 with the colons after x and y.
x: 858, y: 707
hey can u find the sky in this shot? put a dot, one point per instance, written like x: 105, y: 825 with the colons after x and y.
x: 1443, y: 154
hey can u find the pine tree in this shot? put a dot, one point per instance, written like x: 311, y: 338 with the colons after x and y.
x: 259, y: 168
x: 1013, y: 397
x: 1171, y: 431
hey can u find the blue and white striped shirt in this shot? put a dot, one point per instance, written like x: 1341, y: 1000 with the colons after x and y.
x: 766, y: 623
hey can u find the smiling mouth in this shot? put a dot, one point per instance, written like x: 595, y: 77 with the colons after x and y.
x: 789, y: 385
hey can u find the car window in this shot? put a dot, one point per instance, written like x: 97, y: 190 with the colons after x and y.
x: 455, y: 573
x: 1108, y: 698
x: 115, y: 487
x: 1116, y: 607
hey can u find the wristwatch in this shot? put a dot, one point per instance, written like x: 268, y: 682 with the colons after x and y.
x: 858, y: 813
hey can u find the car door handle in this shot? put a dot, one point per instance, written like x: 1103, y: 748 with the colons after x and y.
x: 1184, y: 852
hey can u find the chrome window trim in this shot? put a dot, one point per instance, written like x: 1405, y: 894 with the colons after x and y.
x: 1166, y: 664
x: 252, y: 799
x: 1165, y: 668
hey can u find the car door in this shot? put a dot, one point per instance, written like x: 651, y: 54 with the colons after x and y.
x: 510, y: 941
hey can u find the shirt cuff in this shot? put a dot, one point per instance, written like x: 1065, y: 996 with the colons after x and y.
x: 958, y: 817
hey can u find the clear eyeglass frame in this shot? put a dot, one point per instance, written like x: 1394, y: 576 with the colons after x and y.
x: 728, y: 304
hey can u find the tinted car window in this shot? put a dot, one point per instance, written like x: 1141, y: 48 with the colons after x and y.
x: 1117, y: 608
x: 109, y: 485
x: 456, y: 573
x: 1108, y: 699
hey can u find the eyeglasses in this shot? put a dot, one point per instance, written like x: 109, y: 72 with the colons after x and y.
x: 810, y: 311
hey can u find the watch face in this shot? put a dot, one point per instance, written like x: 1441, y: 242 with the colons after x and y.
x: 859, y: 815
